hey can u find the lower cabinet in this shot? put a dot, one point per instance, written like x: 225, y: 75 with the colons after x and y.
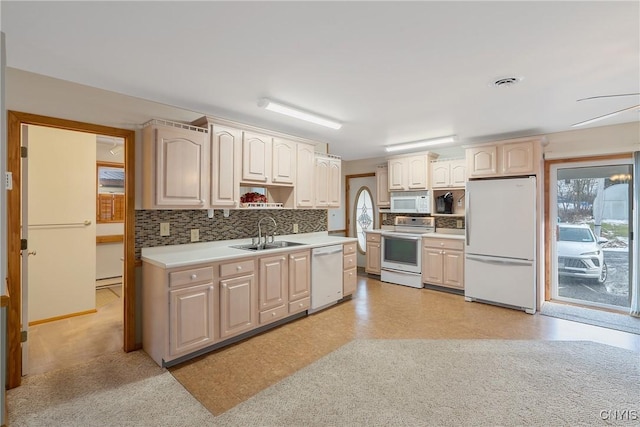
x: 350, y: 269
x: 374, y: 253
x: 443, y: 262
x: 192, y: 318
x: 185, y: 310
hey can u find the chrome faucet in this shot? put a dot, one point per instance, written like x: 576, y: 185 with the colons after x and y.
x: 260, y: 230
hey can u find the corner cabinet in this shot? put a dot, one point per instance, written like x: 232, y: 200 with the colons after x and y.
x: 328, y: 181
x: 507, y: 158
x: 443, y: 262
x: 409, y: 173
x: 174, y: 165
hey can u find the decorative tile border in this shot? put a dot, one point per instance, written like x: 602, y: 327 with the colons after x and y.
x: 240, y: 224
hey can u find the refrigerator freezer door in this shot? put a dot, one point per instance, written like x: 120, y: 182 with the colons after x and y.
x: 501, y: 218
x: 501, y: 280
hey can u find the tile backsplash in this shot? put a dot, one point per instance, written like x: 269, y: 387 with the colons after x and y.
x: 240, y: 224
x: 441, y: 221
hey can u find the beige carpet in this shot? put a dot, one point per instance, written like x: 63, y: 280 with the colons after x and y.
x: 364, y: 383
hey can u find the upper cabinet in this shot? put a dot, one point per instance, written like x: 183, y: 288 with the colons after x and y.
x: 305, y: 176
x: 508, y: 158
x: 174, y: 166
x: 409, y: 173
x: 383, y: 198
x: 225, y: 148
x: 267, y: 160
x: 448, y: 174
x: 328, y: 177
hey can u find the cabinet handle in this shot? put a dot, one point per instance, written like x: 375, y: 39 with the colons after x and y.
x: 224, y: 285
x: 273, y: 314
x: 194, y: 276
x: 283, y: 258
x: 239, y: 268
x: 211, y: 287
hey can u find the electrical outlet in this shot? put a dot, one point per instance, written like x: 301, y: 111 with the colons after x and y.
x: 164, y: 229
x: 295, y: 228
x: 384, y: 216
x: 195, y: 234
x: 459, y: 223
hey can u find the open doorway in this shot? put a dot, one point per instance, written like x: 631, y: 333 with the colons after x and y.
x: 15, y: 322
x: 590, y: 213
x: 73, y: 221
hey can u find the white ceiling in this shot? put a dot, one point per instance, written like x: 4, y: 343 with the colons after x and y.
x: 390, y: 71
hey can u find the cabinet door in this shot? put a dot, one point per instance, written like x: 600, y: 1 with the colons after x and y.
x: 322, y: 182
x: 225, y: 166
x: 191, y: 318
x: 349, y: 281
x: 256, y: 157
x: 417, y: 173
x: 432, y: 266
x: 237, y: 305
x: 305, y: 176
x: 397, y: 174
x: 273, y: 282
x: 180, y: 167
x: 453, y: 269
x: 440, y: 174
x: 283, y: 161
x: 517, y: 158
x: 335, y: 181
x: 373, y: 258
x: 382, y: 186
x: 482, y: 161
x: 458, y: 173
x: 299, y: 275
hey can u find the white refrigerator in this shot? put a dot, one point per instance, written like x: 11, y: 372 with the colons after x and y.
x: 500, y: 252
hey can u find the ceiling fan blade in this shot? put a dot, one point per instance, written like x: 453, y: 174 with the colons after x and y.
x: 606, y: 116
x: 606, y: 96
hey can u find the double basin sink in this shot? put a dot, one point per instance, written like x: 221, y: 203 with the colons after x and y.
x: 267, y: 246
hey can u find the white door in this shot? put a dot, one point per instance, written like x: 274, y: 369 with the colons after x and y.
x: 356, y: 186
x: 60, y: 191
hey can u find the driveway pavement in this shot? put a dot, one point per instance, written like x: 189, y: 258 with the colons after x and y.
x: 614, y: 291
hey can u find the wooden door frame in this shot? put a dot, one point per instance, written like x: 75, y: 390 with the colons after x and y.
x: 15, y: 120
x: 547, y: 206
x: 347, y: 189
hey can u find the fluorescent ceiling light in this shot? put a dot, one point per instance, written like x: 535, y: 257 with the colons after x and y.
x: 420, y: 144
x: 298, y: 114
x: 606, y: 116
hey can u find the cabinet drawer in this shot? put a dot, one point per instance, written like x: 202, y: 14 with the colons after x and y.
x: 444, y: 243
x: 350, y: 261
x: 300, y: 305
x: 349, y: 248
x: 193, y: 276
x: 373, y: 237
x: 237, y: 267
x: 273, y: 314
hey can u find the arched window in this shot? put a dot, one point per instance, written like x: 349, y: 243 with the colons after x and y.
x: 363, y: 216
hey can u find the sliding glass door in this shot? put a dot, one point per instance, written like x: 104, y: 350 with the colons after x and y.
x: 590, y: 205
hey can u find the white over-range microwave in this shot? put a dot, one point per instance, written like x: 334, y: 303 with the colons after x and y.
x: 411, y: 202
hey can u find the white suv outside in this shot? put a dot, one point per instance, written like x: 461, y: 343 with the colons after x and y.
x: 579, y: 253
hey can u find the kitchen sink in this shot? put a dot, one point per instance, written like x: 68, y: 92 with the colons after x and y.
x: 265, y: 247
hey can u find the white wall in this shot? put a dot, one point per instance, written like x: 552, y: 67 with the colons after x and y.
x: 623, y: 138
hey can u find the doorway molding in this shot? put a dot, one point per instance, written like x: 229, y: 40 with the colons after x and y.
x: 15, y: 120
x: 347, y: 209
x: 547, y: 207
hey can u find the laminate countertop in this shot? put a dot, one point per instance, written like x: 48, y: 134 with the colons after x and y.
x: 204, y: 252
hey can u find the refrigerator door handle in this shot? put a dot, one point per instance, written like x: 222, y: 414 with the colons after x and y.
x: 499, y: 261
x: 467, y: 220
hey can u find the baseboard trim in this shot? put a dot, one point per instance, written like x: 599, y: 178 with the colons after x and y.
x: 66, y: 316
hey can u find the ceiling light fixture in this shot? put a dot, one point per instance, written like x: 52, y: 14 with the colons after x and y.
x: 298, y: 113
x: 606, y: 116
x: 420, y: 144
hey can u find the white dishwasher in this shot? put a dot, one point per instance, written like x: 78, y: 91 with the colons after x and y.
x: 326, y: 276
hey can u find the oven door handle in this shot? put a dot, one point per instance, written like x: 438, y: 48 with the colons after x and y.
x: 402, y: 236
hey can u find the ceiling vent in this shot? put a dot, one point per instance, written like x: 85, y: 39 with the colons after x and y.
x: 504, y: 82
